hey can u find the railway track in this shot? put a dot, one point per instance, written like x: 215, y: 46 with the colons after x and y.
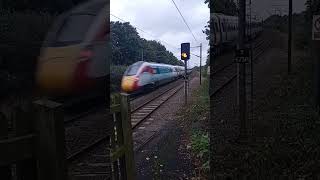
x: 259, y: 49
x: 259, y: 44
x: 139, y: 114
x: 144, y: 111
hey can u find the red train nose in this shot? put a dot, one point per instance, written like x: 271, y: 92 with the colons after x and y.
x: 82, y: 81
x: 129, y: 83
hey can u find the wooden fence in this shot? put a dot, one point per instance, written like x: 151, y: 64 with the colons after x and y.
x: 32, y: 142
x: 122, y: 156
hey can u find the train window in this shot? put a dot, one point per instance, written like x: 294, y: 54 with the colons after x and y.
x: 155, y: 70
x: 161, y: 70
x: 133, y: 69
x: 167, y: 70
x: 74, y: 28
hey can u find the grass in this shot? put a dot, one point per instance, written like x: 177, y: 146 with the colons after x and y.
x: 288, y: 130
x: 286, y: 133
x: 194, y: 119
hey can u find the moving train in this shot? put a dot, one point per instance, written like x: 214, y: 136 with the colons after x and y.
x: 74, y: 56
x: 224, y: 31
x: 146, y: 75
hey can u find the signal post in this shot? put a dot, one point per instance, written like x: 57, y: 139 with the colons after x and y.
x: 185, y: 56
x: 242, y: 59
x: 316, y: 55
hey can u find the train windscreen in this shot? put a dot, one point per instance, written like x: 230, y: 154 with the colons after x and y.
x: 132, y: 70
x: 74, y: 29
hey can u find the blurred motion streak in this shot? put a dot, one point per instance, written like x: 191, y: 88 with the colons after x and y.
x: 74, y: 57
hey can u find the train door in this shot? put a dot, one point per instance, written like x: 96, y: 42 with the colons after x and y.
x: 155, y: 75
x: 162, y: 75
x: 167, y: 74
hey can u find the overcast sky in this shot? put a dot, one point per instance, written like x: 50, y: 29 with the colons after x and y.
x: 160, y: 19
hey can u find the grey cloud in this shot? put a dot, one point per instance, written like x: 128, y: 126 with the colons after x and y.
x: 162, y: 20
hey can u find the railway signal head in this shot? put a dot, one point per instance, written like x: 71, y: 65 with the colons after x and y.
x: 185, y: 51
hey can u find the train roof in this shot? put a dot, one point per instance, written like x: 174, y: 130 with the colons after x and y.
x: 157, y: 64
x: 220, y: 15
x: 89, y: 7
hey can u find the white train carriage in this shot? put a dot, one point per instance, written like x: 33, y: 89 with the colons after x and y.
x: 146, y: 75
x: 224, y: 31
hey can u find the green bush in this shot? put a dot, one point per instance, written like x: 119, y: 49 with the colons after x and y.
x: 116, y: 73
x: 200, y: 147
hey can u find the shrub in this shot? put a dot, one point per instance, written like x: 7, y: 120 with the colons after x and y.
x: 116, y: 73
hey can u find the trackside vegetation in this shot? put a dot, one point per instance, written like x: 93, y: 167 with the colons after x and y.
x: 195, y: 121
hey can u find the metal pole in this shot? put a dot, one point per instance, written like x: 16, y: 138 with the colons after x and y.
x: 251, y: 69
x: 142, y: 55
x: 200, y: 60
x: 290, y: 37
x: 315, y: 55
x: 185, y: 82
x: 241, y: 67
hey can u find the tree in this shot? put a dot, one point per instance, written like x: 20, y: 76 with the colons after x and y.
x: 127, y: 47
x: 227, y: 7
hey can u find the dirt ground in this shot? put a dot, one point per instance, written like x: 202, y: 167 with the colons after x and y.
x: 166, y: 156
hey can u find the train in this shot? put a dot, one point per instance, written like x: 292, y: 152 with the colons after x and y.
x: 75, y: 53
x: 224, y: 31
x: 142, y: 76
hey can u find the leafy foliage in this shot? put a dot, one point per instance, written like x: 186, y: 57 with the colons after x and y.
x: 116, y: 73
x: 227, y: 7
x: 301, y: 27
x: 200, y: 146
x: 128, y: 47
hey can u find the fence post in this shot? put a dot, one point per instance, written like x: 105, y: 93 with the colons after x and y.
x: 50, y: 140
x: 127, y: 135
x: 5, y: 171
x: 23, y: 124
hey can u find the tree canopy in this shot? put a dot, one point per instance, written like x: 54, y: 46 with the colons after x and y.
x: 128, y: 47
x: 227, y: 7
